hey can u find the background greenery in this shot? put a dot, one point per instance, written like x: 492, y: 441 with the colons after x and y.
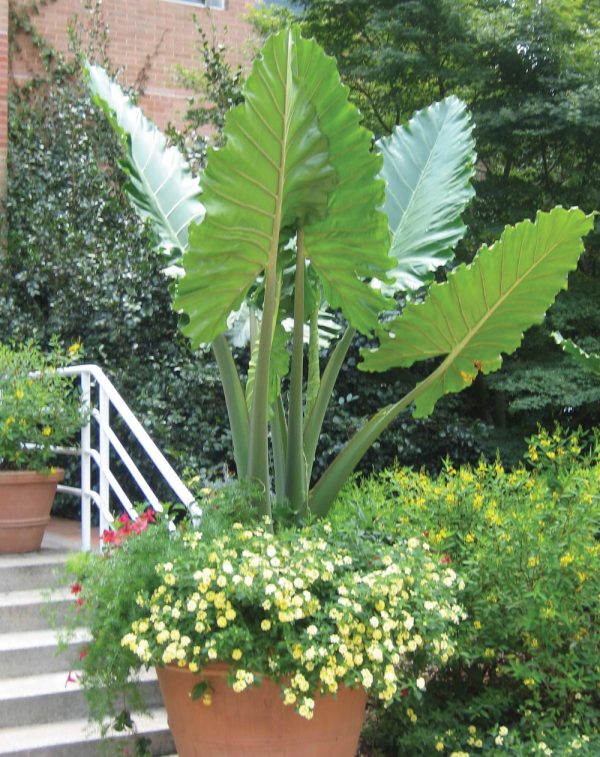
x: 79, y: 264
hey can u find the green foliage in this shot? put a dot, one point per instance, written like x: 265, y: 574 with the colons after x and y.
x: 108, y: 669
x: 428, y: 165
x: 217, y: 88
x: 314, y: 590
x: 164, y: 188
x: 529, y: 73
x: 526, y: 544
x: 86, y: 271
x: 587, y: 362
x: 482, y: 310
x: 40, y: 410
x: 297, y: 168
x: 279, y: 171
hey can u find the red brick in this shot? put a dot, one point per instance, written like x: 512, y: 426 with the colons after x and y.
x: 140, y: 28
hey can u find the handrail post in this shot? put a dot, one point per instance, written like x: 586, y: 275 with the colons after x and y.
x: 104, y: 451
x: 86, y: 465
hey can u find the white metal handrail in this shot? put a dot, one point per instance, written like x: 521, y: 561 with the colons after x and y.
x: 99, y: 412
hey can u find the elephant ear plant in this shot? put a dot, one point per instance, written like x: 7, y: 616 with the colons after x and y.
x: 301, y: 212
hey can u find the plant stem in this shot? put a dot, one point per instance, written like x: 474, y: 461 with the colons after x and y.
x: 314, y: 372
x: 279, y: 445
x: 314, y: 423
x: 323, y: 494
x: 295, y: 478
x: 235, y: 401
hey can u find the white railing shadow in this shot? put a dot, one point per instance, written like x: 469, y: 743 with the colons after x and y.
x: 99, y: 397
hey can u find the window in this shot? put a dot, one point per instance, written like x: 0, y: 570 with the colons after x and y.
x: 220, y: 5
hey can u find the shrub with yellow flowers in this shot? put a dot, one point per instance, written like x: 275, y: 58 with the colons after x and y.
x: 526, y: 543
x: 39, y: 407
x: 296, y: 606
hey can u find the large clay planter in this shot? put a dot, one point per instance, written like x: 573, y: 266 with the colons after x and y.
x: 25, y: 501
x: 255, y: 722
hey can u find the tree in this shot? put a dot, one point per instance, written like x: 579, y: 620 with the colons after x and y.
x: 529, y: 72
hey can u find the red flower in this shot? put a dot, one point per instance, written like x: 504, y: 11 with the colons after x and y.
x: 76, y: 588
x: 108, y: 536
x: 445, y: 560
x: 404, y: 692
x: 80, y: 602
x: 83, y: 654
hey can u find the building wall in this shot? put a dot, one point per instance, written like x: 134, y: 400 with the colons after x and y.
x: 3, y: 93
x: 154, y: 35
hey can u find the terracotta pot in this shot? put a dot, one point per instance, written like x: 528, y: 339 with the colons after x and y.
x: 25, y: 501
x: 255, y: 722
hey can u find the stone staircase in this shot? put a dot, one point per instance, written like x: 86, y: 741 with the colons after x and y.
x: 41, y: 713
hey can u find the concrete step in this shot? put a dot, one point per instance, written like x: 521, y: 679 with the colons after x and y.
x: 77, y: 738
x: 51, y: 697
x: 43, y: 712
x: 35, y: 570
x: 32, y: 609
x: 27, y: 653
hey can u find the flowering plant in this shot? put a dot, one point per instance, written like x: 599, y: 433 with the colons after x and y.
x: 296, y: 606
x: 39, y: 408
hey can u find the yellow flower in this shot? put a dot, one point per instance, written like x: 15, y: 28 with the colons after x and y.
x: 46, y: 431
x: 74, y: 348
x: 566, y: 560
x: 236, y: 654
x: 19, y: 394
x: 265, y: 625
x: 439, y: 746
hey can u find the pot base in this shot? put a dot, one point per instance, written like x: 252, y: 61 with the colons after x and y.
x: 25, y: 502
x: 255, y: 722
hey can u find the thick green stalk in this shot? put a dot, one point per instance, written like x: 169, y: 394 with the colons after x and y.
x: 314, y: 372
x: 323, y: 494
x: 258, y: 453
x: 295, y: 478
x: 279, y: 445
x: 235, y: 401
x: 314, y: 422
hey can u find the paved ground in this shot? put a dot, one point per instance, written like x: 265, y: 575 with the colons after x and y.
x: 66, y: 534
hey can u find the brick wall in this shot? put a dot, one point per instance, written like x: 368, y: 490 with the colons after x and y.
x: 161, y: 29
x: 3, y: 94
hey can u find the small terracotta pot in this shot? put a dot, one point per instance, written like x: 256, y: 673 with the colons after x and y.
x: 25, y: 502
x: 255, y: 722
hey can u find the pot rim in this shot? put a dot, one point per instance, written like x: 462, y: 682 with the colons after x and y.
x: 54, y: 475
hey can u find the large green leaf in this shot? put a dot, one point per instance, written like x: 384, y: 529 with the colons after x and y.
x: 427, y: 166
x: 484, y: 308
x: 160, y: 184
x: 350, y: 245
x: 589, y: 362
x: 272, y: 174
x: 295, y: 157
